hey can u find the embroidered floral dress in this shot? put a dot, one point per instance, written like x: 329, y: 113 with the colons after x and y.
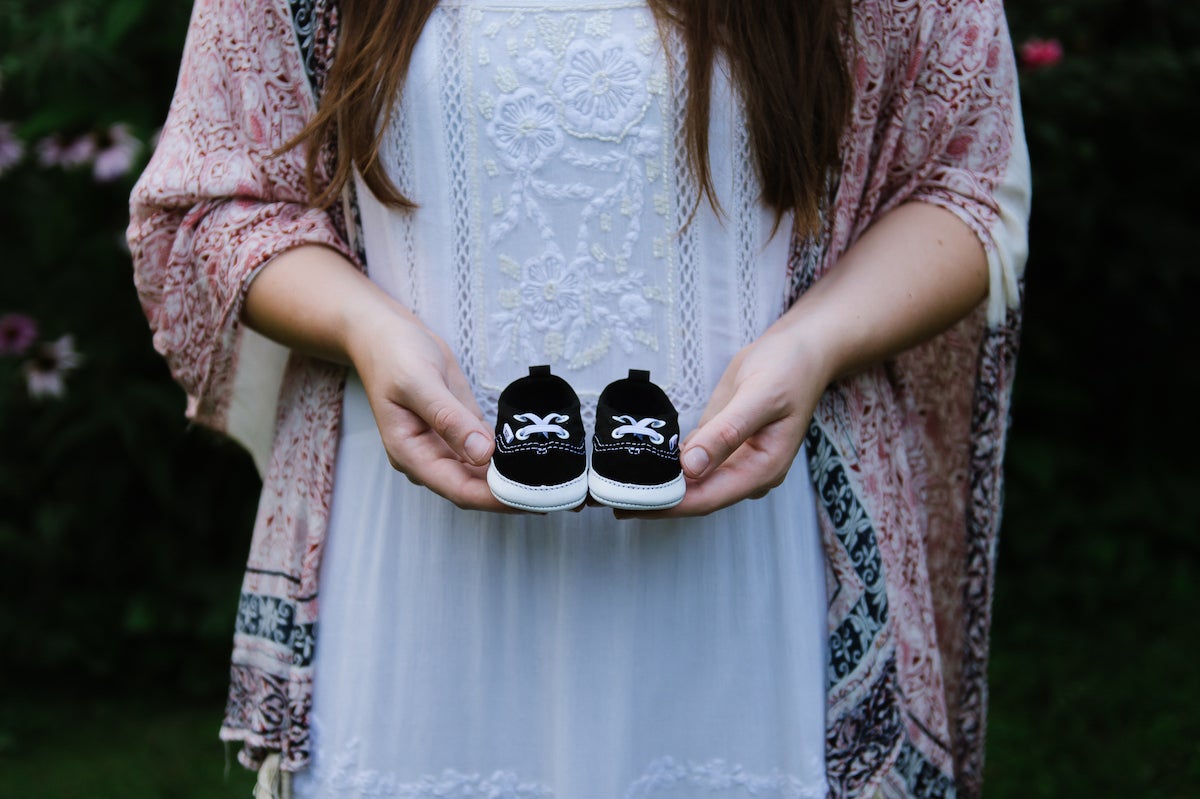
x: 465, y: 654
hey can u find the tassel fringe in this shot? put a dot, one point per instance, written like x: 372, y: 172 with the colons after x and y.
x: 273, y: 782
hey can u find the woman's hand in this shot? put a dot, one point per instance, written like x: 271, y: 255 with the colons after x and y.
x: 314, y: 300
x: 753, y: 425
x: 915, y: 272
x: 429, y: 422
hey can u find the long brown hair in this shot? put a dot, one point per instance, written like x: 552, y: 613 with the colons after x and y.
x: 789, y: 59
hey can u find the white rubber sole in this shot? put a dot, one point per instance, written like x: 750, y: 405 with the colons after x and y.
x: 630, y: 496
x: 540, y: 499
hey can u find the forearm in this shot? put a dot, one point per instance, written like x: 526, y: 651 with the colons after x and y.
x: 314, y: 300
x: 914, y: 273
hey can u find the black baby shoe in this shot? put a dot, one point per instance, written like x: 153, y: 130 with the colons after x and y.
x: 540, y: 461
x: 635, y: 450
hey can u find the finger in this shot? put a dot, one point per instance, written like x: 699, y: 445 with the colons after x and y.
x: 460, y: 387
x: 714, y: 441
x: 749, y: 474
x: 463, y: 393
x: 455, y: 423
x: 464, y: 485
x: 721, y: 395
x: 701, y: 499
x: 426, y: 460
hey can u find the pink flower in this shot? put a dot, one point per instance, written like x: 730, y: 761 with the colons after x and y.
x: 12, y: 149
x: 17, y: 333
x: 116, y: 159
x: 46, y: 370
x: 1041, y: 53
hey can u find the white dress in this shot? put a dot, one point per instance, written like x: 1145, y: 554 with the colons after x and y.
x: 463, y: 654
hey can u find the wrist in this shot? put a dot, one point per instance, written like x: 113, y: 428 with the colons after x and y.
x: 367, y: 320
x: 816, y: 343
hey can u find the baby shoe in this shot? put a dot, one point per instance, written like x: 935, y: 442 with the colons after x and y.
x: 540, y: 460
x: 635, y: 449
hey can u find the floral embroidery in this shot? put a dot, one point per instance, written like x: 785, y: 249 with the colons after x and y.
x: 525, y: 130
x: 572, y: 166
x: 536, y: 64
x: 551, y: 294
x: 668, y: 775
x: 342, y: 771
x: 603, y: 90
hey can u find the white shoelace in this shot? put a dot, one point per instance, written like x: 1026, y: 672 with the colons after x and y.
x: 639, y: 428
x: 550, y: 424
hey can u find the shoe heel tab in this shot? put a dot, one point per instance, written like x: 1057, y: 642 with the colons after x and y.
x: 641, y: 375
x: 539, y: 371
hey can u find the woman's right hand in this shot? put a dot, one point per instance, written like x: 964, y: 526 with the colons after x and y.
x: 429, y: 422
x: 312, y: 299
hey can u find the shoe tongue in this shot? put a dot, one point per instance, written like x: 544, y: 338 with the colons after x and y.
x: 540, y: 371
x: 640, y: 375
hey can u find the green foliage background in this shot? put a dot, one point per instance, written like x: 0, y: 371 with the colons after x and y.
x: 122, y: 531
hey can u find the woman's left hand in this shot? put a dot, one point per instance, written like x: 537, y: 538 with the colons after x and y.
x: 915, y: 272
x: 753, y: 425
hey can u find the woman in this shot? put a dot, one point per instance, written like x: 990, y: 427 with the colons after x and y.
x: 602, y: 185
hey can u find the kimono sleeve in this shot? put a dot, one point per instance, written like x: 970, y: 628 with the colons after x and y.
x: 215, y: 205
x: 965, y: 111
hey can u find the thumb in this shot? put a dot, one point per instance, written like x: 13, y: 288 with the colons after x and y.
x: 462, y: 430
x: 710, y: 444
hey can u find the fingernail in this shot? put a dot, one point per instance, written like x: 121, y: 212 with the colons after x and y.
x: 477, y: 447
x: 695, y: 460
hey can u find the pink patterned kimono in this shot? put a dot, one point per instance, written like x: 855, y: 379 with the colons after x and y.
x: 905, y: 457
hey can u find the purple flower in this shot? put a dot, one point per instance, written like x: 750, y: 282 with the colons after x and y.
x: 55, y: 151
x: 78, y: 152
x: 116, y: 158
x: 46, y: 370
x: 50, y: 151
x: 12, y: 149
x: 17, y: 333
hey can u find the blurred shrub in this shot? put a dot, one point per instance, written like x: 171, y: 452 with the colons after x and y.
x: 1102, y: 470
x: 122, y: 531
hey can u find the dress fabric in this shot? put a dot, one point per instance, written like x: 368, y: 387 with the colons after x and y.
x: 463, y: 654
x: 905, y: 457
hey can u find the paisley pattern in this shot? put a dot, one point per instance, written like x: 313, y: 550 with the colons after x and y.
x: 909, y: 452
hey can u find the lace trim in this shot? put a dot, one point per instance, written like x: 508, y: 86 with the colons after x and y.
x: 667, y: 775
x: 690, y: 395
x: 399, y: 132
x: 453, y: 29
x: 342, y: 773
x: 746, y: 191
